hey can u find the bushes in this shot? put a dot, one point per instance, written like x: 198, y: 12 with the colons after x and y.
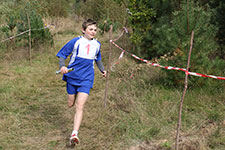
x: 38, y: 33
x: 219, y: 20
x: 145, y: 16
x: 170, y: 32
x: 193, y: 18
x: 102, y: 12
x: 16, y: 22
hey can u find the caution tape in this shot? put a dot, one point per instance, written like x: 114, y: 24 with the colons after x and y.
x: 122, y: 33
x: 169, y: 67
x: 125, y: 30
x: 117, y: 62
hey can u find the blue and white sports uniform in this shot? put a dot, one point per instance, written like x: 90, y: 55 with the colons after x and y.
x: 83, y: 54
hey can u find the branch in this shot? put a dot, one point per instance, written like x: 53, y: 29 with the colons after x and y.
x: 184, y: 92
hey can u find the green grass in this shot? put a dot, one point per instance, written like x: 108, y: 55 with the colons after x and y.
x: 141, y: 111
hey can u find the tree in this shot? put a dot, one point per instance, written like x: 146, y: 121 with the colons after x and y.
x: 17, y: 20
x: 102, y: 12
x: 192, y: 17
x: 144, y: 15
x: 219, y: 20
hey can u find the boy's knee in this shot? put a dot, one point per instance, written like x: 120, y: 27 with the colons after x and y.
x: 80, y: 101
x: 70, y: 104
x: 71, y: 100
x: 79, y: 106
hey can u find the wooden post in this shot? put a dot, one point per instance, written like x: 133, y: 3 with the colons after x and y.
x: 108, y: 66
x: 29, y: 40
x: 184, y: 92
x: 188, y: 16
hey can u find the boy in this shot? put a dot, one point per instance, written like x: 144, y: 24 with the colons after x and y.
x: 84, y: 49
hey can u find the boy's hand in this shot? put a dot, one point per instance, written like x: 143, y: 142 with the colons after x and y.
x: 104, y: 73
x: 64, y: 70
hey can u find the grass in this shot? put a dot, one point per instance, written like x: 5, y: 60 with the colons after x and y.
x: 141, y: 111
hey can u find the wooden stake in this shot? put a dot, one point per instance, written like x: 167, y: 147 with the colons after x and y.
x: 108, y: 66
x: 29, y: 40
x: 184, y: 92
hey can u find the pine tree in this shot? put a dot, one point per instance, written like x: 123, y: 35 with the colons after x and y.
x: 219, y: 20
x: 193, y: 17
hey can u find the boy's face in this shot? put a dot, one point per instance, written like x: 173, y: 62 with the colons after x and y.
x: 90, y: 32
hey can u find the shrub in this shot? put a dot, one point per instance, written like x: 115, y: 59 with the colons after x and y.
x: 102, y: 12
x: 17, y: 21
x: 38, y: 33
x: 190, y: 18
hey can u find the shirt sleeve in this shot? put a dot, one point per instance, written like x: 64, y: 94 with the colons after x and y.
x: 67, y: 49
x: 100, y: 65
x: 98, y: 55
x: 61, y: 62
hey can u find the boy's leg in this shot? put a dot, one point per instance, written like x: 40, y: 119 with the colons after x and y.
x: 81, y: 99
x: 82, y: 93
x: 71, y: 98
x: 79, y: 105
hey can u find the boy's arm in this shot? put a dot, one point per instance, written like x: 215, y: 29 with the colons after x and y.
x: 61, y: 62
x: 62, y: 66
x: 101, y: 67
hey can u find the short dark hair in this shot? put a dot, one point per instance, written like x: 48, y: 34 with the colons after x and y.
x: 87, y: 23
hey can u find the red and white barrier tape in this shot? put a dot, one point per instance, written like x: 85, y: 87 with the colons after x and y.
x: 117, y: 62
x: 121, y: 55
x: 124, y: 30
x: 169, y: 67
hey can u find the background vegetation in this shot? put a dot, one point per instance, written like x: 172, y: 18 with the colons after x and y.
x: 142, y: 104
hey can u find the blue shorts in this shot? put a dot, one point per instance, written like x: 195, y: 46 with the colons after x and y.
x: 73, y: 89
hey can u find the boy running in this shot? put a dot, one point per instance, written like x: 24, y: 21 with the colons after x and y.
x: 84, y: 51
